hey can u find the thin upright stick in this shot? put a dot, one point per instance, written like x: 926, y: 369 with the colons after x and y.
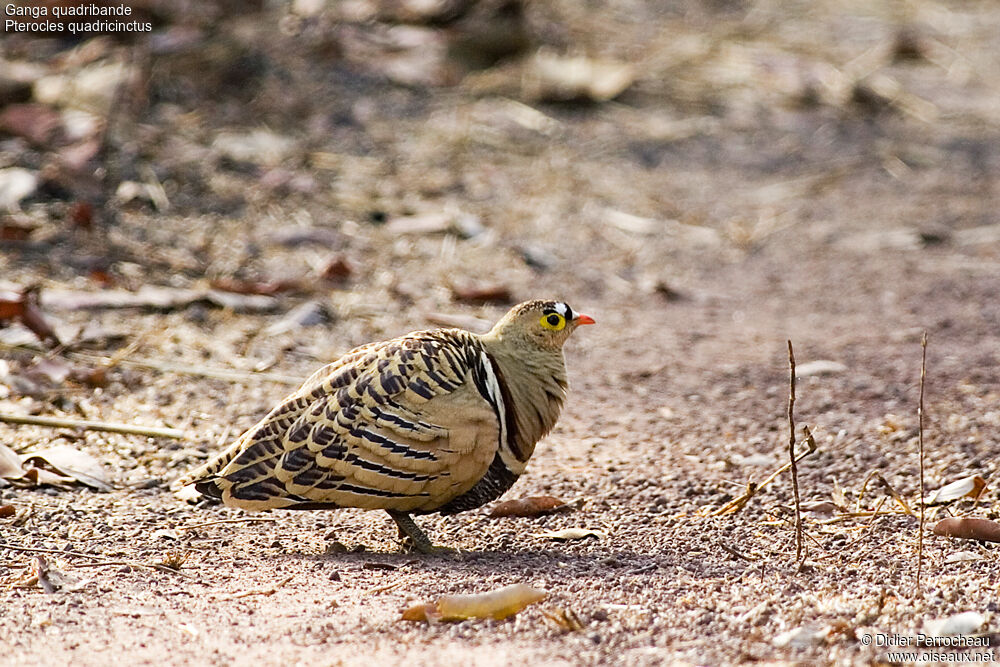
x: 920, y: 431
x: 791, y: 451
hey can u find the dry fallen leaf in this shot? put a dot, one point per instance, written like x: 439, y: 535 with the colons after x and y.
x: 42, y: 574
x: 821, y: 507
x: 41, y: 476
x: 963, y: 557
x: 969, y: 529
x: 498, y: 604
x: 971, y: 487
x: 528, y: 507
x: 23, y: 306
x: 337, y: 269
x: 10, y: 464
x: 70, y: 461
x: 572, y: 534
x: 7, y: 511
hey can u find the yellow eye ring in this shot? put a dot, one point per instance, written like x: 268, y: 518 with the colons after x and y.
x: 553, y: 322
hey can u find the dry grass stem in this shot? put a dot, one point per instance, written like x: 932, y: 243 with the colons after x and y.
x: 40, y: 550
x: 736, y: 504
x: 89, y: 425
x: 920, y: 439
x: 875, y: 474
x: 246, y: 519
x: 265, y: 591
x: 864, y: 532
x: 791, y: 452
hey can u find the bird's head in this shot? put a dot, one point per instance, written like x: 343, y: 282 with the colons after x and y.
x: 546, y: 324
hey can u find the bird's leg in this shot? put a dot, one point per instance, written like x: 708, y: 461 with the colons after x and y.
x: 411, y: 530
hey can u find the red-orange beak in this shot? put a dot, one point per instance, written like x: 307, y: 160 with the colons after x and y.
x: 584, y: 319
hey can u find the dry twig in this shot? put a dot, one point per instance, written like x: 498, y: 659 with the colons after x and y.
x: 89, y: 425
x: 864, y: 532
x: 270, y: 590
x: 736, y: 504
x: 920, y: 436
x: 100, y: 562
x: 159, y: 567
x: 888, y: 489
x: 39, y: 550
x: 246, y: 519
x: 791, y: 452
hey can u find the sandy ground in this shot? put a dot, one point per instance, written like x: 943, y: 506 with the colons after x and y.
x: 733, y: 198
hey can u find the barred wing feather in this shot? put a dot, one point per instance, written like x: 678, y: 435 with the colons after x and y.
x: 408, y: 424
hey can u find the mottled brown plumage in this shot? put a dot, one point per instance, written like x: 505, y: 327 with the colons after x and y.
x: 434, y: 421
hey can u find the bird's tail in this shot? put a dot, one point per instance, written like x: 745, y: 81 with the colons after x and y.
x: 205, y: 475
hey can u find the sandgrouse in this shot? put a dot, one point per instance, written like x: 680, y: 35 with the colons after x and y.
x: 434, y: 421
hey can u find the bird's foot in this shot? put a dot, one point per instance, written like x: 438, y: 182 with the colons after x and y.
x: 415, y: 539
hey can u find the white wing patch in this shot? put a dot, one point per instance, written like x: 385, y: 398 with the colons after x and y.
x: 493, y: 386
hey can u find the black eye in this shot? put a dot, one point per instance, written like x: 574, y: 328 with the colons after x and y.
x: 553, y: 320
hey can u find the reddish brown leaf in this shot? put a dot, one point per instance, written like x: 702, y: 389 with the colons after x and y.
x: 102, y: 277
x: 33, y: 320
x: 528, y: 507
x: 81, y: 214
x: 478, y: 294
x: 24, y: 307
x: 11, y: 231
x: 969, y: 529
x: 35, y: 122
x: 92, y: 377
x: 11, y: 306
x: 337, y: 269
x: 7, y: 511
